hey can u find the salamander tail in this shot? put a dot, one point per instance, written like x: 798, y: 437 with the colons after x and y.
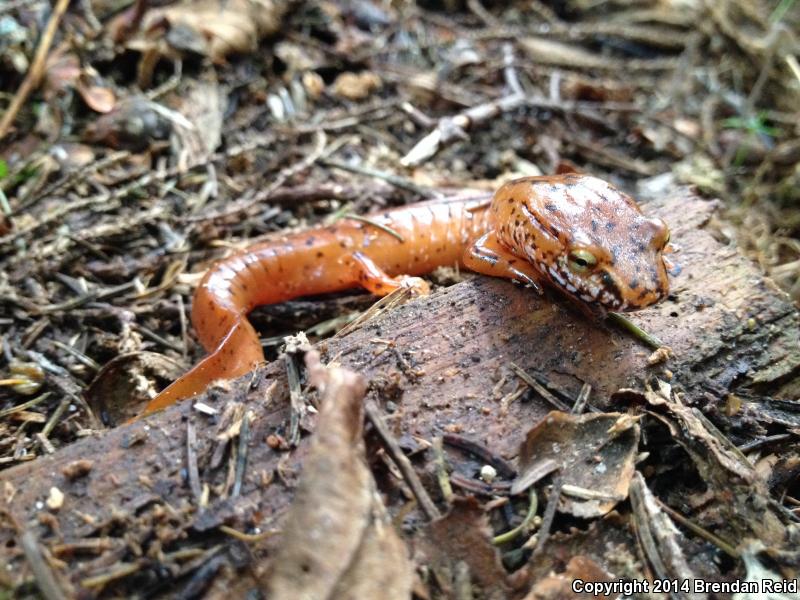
x: 238, y: 353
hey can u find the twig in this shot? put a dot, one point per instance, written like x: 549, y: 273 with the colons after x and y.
x: 640, y: 334
x: 157, y: 338
x: 395, y: 180
x: 441, y: 470
x: 42, y: 573
x: 57, y: 414
x: 452, y: 128
x: 583, y: 398
x: 509, y: 72
x: 191, y: 463
x: 295, y: 398
x: 727, y: 548
x: 549, y: 514
x: 36, y: 70
x: 481, y: 452
x: 374, y: 223
x: 241, y: 458
x: 89, y: 297
x: 402, y: 462
x: 248, y: 537
x: 281, y: 178
x: 538, y: 387
x: 25, y: 405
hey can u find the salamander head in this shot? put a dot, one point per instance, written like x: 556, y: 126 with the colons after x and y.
x: 589, y: 240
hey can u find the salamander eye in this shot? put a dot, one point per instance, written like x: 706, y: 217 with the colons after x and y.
x: 581, y: 261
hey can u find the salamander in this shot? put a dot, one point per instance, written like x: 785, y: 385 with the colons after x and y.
x: 574, y: 233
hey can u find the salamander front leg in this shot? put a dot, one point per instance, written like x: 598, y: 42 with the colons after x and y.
x: 489, y: 257
x: 372, y: 278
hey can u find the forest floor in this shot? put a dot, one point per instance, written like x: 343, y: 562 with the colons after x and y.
x: 140, y: 140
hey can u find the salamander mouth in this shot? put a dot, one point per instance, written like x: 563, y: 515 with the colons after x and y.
x: 599, y: 288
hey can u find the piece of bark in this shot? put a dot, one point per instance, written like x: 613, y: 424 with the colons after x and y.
x: 730, y: 329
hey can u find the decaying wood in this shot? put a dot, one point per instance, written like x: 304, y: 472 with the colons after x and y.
x: 731, y: 332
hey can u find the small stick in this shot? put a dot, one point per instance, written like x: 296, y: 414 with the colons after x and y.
x: 539, y: 388
x: 241, y: 459
x: 583, y: 398
x: 400, y: 182
x: 504, y: 469
x: 441, y: 470
x: 36, y: 71
x: 640, y: 334
x: 549, y: 514
x: 703, y: 533
x: 191, y: 463
x: 369, y: 221
x: 402, y: 462
x: 42, y: 573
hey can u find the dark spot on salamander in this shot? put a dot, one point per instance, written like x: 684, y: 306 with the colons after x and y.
x: 379, y: 286
x: 320, y: 254
x: 634, y: 284
x: 594, y: 225
x: 310, y: 240
x: 551, y: 207
x: 342, y: 244
x: 610, y: 225
x: 640, y: 247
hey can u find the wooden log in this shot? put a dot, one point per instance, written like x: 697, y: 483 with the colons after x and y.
x: 440, y: 361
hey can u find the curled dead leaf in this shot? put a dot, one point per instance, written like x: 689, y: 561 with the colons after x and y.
x: 125, y: 384
x: 593, y: 452
x: 213, y: 28
x: 560, y: 585
x: 64, y: 72
x: 339, y: 542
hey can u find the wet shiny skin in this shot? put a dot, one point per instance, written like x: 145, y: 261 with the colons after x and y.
x: 574, y: 233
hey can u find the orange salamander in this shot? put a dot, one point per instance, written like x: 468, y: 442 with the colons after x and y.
x: 574, y: 233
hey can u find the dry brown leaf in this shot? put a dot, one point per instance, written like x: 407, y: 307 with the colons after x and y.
x: 463, y: 535
x: 558, y: 586
x: 356, y: 86
x: 338, y: 541
x: 660, y: 539
x: 595, y: 455
x: 124, y: 385
x: 608, y: 543
x: 213, y: 28
x: 742, y: 507
x: 63, y: 72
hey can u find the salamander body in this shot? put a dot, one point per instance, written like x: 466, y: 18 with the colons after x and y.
x: 574, y: 233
